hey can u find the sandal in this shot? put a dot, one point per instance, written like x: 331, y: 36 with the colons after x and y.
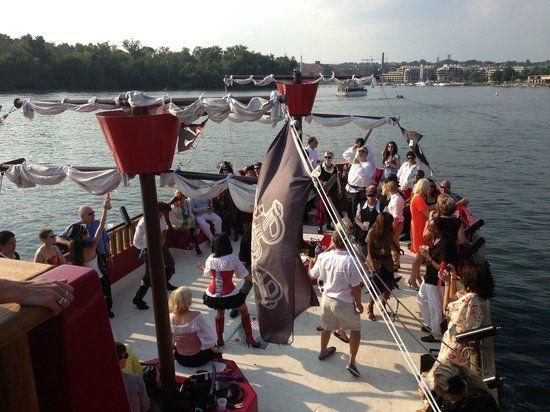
x: 343, y: 338
x: 330, y: 351
x: 370, y: 313
x: 412, y: 284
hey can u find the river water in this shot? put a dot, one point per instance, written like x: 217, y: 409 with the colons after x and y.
x: 492, y: 147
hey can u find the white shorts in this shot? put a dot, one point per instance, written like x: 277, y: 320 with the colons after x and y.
x: 338, y: 314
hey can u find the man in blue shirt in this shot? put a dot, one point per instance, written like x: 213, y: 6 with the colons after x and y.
x: 204, y: 214
x: 446, y: 187
x: 87, y: 217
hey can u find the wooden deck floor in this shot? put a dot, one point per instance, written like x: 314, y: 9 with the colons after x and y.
x: 290, y: 377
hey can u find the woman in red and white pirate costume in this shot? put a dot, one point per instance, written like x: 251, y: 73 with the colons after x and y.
x: 222, y: 294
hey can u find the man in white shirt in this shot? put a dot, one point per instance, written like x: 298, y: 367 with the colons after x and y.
x: 395, y: 208
x: 341, y: 302
x: 140, y: 242
x: 406, y: 174
x: 204, y: 214
x: 360, y: 176
x: 349, y: 154
x: 312, y: 154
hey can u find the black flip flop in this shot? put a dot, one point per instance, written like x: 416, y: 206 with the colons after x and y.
x: 344, y: 339
x: 330, y: 351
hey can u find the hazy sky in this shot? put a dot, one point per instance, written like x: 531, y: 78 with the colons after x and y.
x: 326, y: 30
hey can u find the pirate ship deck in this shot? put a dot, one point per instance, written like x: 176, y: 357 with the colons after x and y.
x: 284, y: 376
x: 290, y: 377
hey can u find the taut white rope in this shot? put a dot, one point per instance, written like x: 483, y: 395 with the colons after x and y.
x: 360, y: 267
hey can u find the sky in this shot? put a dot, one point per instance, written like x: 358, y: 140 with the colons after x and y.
x: 326, y: 30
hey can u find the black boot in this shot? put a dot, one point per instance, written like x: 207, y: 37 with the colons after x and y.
x: 138, y: 299
x: 198, y: 249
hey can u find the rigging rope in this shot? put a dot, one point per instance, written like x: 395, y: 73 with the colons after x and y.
x: 360, y: 267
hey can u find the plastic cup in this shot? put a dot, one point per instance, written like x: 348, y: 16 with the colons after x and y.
x: 222, y: 404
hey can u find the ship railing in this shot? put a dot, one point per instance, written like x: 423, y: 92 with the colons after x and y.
x: 17, y: 384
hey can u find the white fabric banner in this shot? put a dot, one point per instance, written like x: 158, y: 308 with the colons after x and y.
x: 230, y: 80
x: 96, y: 182
x: 243, y: 194
x: 363, y: 123
x: 218, y: 109
x: 59, y: 106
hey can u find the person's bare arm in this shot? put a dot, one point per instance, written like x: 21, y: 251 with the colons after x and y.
x: 62, y: 260
x: 356, y: 293
x: 38, y: 257
x: 99, y: 231
x: 45, y: 293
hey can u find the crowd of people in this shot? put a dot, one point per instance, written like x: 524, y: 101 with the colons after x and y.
x: 380, y: 207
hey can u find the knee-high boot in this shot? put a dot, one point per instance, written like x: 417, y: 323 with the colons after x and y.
x: 248, y: 332
x: 219, y: 331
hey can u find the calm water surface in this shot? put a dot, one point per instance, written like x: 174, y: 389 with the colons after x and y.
x: 493, y: 148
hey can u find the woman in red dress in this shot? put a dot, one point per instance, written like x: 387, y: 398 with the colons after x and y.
x: 419, y: 216
x: 222, y: 294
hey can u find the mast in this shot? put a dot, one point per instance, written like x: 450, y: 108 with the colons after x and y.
x: 297, y: 79
x: 155, y: 262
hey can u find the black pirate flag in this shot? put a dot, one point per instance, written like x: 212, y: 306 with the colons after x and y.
x: 282, y: 288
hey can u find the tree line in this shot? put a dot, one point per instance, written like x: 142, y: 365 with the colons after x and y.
x: 31, y: 63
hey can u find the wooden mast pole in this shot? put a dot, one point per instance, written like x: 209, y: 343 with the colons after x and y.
x: 297, y: 79
x: 155, y: 262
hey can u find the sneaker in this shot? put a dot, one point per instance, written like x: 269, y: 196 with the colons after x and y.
x: 234, y: 313
x: 169, y: 286
x: 140, y: 303
x: 353, y: 370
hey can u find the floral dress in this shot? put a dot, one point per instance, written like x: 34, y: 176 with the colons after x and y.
x: 463, y: 314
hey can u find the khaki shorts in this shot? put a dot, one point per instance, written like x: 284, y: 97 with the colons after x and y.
x: 337, y: 314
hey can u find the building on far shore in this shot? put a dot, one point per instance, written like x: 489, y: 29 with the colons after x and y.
x: 449, y: 73
x: 539, y: 79
x: 427, y: 73
x: 317, y: 68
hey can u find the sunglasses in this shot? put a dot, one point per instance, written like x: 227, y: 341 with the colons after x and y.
x: 91, y: 213
x: 328, y: 157
x: 410, y: 158
x: 51, y: 236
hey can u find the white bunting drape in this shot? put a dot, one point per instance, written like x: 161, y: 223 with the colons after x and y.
x: 337, y: 121
x: 230, y: 80
x: 97, y: 182
x: 227, y: 107
x: 243, y: 194
x: 30, y: 107
x: 218, y: 109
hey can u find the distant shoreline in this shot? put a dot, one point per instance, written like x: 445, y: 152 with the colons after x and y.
x: 266, y: 88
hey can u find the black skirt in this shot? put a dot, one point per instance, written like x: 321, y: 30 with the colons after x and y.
x: 384, y: 279
x: 228, y: 302
x: 198, y: 359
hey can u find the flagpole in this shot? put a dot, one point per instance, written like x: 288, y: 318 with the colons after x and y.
x: 297, y: 79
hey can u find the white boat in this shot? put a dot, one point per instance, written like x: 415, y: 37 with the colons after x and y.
x: 351, y: 91
x: 424, y: 84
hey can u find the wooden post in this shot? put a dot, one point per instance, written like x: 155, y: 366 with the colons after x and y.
x: 159, y: 292
x: 297, y: 79
x: 17, y: 389
x: 155, y: 261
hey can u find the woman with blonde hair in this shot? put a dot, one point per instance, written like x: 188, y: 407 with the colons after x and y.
x: 419, y: 216
x: 193, y: 338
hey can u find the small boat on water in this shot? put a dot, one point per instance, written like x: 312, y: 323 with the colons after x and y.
x: 351, y: 90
